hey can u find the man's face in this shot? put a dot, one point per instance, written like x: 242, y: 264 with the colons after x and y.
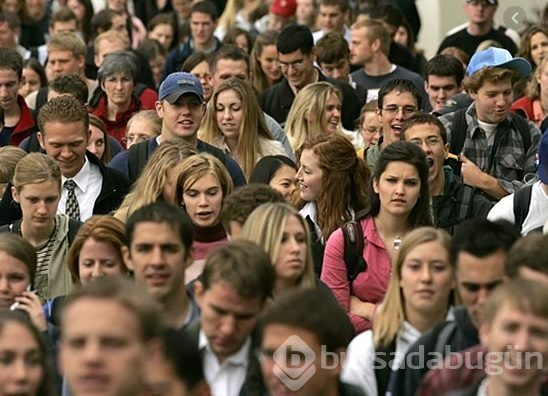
x: 66, y: 142
x: 64, y: 26
x: 227, y: 68
x: 323, y: 381
x: 476, y: 278
x: 361, y: 47
x: 202, y: 28
x: 105, y: 48
x: 227, y: 318
x: 439, y: 89
x: 101, y: 350
x: 7, y: 36
x: 517, y: 334
x: 158, y: 259
x: 480, y: 11
x: 428, y: 138
x: 339, y: 70
x: 64, y: 62
x: 297, y: 68
x: 183, y: 118
x: 493, y: 101
x: 331, y: 18
x: 397, y: 107
x: 9, y: 88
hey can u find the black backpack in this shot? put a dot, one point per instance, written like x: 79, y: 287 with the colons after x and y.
x: 353, y: 249
x: 458, y: 135
x: 522, y: 202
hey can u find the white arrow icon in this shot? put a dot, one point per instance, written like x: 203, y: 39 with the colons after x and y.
x: 514, y: 18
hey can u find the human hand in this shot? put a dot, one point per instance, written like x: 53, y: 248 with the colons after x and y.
x: 31, y: 304
x: 361, y: 308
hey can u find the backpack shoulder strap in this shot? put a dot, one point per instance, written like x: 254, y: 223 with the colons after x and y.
x: 33, y: 145
x: 444, y: 335
x: 458, y: 132
x: 464, y: 199
x: 138, y: 156
x: 522, y: 201
x: 353, y: 249
x: 383, y: 373
x: 522, y: 126
x: 41, y: 98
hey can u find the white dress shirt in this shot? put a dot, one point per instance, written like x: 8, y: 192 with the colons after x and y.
x: 88, y: 187
x: 226, y: 378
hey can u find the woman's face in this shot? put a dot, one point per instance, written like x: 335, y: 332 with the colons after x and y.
x: 163, y: 33
x: 268, y: 60
x: 157, y: 67
x: 30, y: 82
x: 402, y: 37
x: 39, y: 203
x: 98, y: 259
x: 117, y: 5
x: 14, y: 279
x: 291, y: 259
x: 118, y: 88
x: 77, y: 8
x: 96, y: 143
x: 305, y: 10
x: 309, y: 176
x: 331, y: 118
x: 398, y: 188
x: 21, y: 370
x: 284, y: 181
x: 427, y: 279
x: 543, y: 79
x: 201, y: 72
x: 138, y: 131
x: 371, y: 129
x: 229, y: 110
x: 203, y: 200
x: 36, y: 8
x: 11, y: 6
x: 242, y: 42
x: 539, y: 47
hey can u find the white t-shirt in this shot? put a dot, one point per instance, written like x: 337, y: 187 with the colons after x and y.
x: 538, y: 210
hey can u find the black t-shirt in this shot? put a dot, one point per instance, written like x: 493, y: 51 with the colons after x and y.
x: 468, y: 43
x: 5, y: 135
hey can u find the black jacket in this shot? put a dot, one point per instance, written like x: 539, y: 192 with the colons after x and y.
x: 406, y: 381
x: 458, y: 203
x: 253, y: 383
x: 113, y: 190
x: 277, y: 100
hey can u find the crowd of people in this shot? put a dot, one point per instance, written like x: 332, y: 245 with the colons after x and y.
x: 237, y: 197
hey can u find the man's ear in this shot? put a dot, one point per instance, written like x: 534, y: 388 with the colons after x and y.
x: 199, y: 292
x: 126, y: 255
x: 15, y: 194
x: 376, y: 45
x: 159, y: 108
x: 40, y: 137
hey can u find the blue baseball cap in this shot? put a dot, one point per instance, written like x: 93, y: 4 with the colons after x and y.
x: 543, y: 158
x: 498, y: 57
x: 177, y: 84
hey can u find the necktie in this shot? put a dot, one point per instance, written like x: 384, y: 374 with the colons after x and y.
x: 72, y: 209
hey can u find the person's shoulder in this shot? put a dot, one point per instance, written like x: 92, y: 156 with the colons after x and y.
x: 408, y: 74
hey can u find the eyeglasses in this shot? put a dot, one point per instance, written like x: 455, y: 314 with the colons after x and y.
x: 406, y: 110
x: 296, y: 65
x: 430, y: 141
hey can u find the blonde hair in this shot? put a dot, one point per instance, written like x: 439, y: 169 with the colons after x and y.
x: 253, y: 125
x: 228, y: 19
x: 9, y: 157
x: 375, y: 30
x: 36, y: 168
x: 150, y: 116
x: 305, y: 116
x: 196, y: 167
x: 68, y: 41
x: 111, y: 36
x: 533, y: 87
x: 391, y: 316
x: 265, y: 226
x: 150, y: 185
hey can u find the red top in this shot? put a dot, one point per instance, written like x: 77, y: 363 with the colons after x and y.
x: 24, y: 126
x: 370, y: 285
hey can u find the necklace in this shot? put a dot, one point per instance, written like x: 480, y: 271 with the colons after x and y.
x: 397, y: 243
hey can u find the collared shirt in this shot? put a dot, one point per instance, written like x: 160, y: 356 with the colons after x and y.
x: 509, y: 162
x: 226, y: 378
x: 309, y: 210
x: 320, y: 33
x: 267, y: 147
x: 88, y: 187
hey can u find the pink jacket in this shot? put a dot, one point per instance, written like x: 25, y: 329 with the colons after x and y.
x: 370, y: 285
